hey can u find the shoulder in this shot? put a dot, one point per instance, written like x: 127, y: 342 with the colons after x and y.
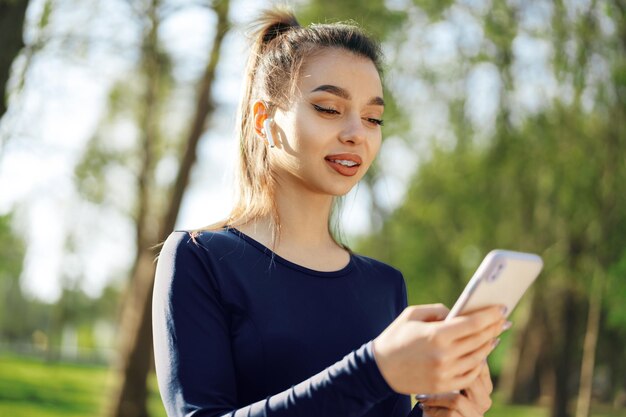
x: 388, y: 278
x: 180, y: 242
x: 191, y: 253
x: 379, y: 267
x: 190, y: 260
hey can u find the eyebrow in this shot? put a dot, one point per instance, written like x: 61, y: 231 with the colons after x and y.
x: 343, y: 93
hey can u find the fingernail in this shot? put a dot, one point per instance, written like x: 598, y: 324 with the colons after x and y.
x: 495, y: 343
x: 504, y: 310
x: 507, y: 325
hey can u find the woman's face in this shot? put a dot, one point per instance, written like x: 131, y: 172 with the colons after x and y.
x: 331, y: 133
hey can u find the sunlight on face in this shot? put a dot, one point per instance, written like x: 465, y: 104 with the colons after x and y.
x: 332, y: 131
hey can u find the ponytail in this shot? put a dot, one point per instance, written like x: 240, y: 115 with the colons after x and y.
x: 272, y: 24
x: 255, y: 196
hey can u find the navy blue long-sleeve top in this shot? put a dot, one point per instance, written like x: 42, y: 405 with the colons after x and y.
x: 240, y: 331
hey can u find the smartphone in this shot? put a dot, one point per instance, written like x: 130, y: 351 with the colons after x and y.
x: 502, y: 278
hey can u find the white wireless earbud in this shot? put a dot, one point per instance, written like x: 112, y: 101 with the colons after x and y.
x: 267, y: 128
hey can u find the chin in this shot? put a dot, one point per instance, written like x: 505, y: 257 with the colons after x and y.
x: 340, y: 191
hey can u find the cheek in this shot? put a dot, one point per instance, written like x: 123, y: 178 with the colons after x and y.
x: 298, y: 129
x: 287, y: 157
x: 375, y: 145
x: 309, y: 133
x: 373, y: 148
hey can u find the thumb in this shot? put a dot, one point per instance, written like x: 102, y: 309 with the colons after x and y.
x: 427, y: 312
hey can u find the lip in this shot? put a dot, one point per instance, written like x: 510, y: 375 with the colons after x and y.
x: 346, y: 157
x: 342, y: 169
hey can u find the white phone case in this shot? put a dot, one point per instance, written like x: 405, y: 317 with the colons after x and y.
x: 502, y: 278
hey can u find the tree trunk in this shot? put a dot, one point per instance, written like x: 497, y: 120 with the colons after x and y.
x: 521, y: 381
x: 511, y: 369
x: 136, y: 336
x: 130, y: 397
x: 12, y: 15
x: 589, y: 349
x: 135, y: 348
x: 564, y: 355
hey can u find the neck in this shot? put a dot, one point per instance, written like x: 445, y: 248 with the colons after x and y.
x: 303, y: 221
x: 304, y: 218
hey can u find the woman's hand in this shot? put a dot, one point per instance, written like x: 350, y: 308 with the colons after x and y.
x: 479, y: 392
x: 474, y: 401
x: 420, y: 353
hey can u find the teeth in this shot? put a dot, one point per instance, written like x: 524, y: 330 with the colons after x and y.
x: 344, y: 162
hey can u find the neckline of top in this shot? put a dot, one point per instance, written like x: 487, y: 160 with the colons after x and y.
x: 274, y: 256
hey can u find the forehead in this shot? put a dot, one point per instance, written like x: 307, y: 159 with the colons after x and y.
x: 341, y: 68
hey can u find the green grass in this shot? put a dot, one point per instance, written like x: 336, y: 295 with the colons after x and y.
x: 33, y: 388
x: 501, y: 410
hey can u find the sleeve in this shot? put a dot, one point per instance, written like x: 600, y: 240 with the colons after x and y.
x: 404, y: 401
x: 404, y: 301
x: 194, y: 365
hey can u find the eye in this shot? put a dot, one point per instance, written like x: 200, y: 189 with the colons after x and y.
x: 327, y: 110
x: 378, y: 122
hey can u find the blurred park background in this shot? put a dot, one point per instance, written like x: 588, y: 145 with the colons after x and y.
x: 506, y: 128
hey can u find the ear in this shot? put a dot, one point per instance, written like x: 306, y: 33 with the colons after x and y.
x: 259, y: 114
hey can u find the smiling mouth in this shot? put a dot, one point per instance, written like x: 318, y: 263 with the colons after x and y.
x: 346, y: 165
x: 344, y: 162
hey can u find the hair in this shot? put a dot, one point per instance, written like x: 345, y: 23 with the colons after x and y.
x: 279, y: 49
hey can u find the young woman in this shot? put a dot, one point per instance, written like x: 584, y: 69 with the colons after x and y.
x: 267, y: 314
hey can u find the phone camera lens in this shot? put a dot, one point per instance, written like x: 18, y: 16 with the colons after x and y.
x: 494, y: 275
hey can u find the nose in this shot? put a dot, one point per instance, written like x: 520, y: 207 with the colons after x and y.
x: 353, y: 130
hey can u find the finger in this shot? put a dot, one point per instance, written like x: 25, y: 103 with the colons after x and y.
x: 473, y: 342
x: 463, y: 381
x: 427, y: 312
x: 466, y: 325
x: 444, y: 412
x: 485, y: 377
x: 438, y: 412
x: 480, y: 387
x: 479, y: 392
x: 453, y: 402
x: 472, y: 360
